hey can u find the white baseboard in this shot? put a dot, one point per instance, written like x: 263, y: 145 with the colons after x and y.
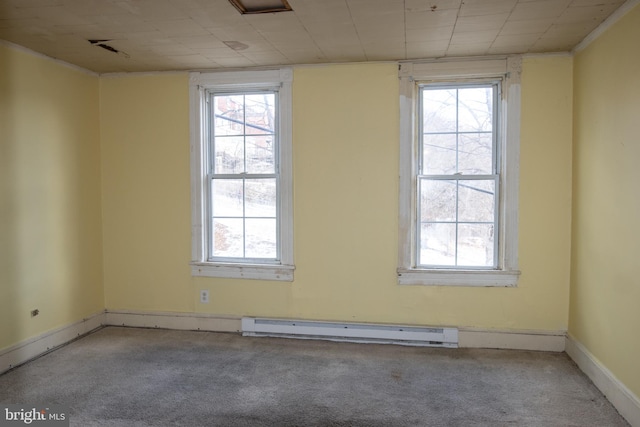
x: 473, y: 338
x: 24, y: 351
x: 169, y: 320
x: 512, y: 340
x: 625, y: 401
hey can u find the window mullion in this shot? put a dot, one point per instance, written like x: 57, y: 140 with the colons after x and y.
x: 457, y: 227
x: 244, y: 218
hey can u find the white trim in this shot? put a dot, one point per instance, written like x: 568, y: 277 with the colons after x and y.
x: 512, y: 339
x: 625, y: 401
x: 27, y: 350
x: 243, y: 271
x: 199, y: 83
x: 500, y: 278
x: 453, y: 69
x: 48, y: 58
x: 509, y: 68
x: 170, y: 320
x: 606, y: 24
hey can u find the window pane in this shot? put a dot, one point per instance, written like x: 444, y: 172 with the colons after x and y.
x: 227, y: 197
x: 227, y: 237
x: 229, y: 154
x: 439, y: 110
x: 260, y: 197
x: 261, y: 238
x: 457, y: 216
x: 475, y: 245
x: 260, y: 113
x: 260, y: 154
x: 439, y: 151
x: 476, y: 201
x: 475, y: 109
x: 475, y: 154
x: 437, y: 200
x: 437, y: 244
x: 228, y: 115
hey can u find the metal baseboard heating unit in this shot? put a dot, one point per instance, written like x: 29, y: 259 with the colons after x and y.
x: 351, y: 332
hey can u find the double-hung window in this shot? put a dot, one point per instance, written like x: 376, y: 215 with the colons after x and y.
x: 241, y: 174
x: 459, y: 180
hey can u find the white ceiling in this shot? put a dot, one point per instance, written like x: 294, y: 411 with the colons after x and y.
x: 156, y: 35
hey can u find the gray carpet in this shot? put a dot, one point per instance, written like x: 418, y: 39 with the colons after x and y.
x: 145, y: 377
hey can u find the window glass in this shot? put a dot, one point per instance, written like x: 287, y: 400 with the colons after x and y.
x: 457, y: 176
x: 244, y: 183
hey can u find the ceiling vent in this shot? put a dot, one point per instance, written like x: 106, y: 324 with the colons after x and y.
x: 246, y: 7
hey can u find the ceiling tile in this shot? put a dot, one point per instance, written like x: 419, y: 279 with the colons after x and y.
x: 434, y: 49
x: 431, y: 19
x: 303, y: 56
x: 151, y: 10
x: 468, y: 49
x: 432, y: 5
x: 235, y: 62
x: 587, y: 13
x: 122, y: 23
x: 485, y: 36
x: 526, y: 27
x: 486, y: 7
x: 429, y: 34
x: 525, y: 11
x: 195, y: 42
x: 578, y: 3
x: 238, y: 32
x: 514, y: 43
x: 481, y: 23
x: 179, y: 27
x: 91, y: 7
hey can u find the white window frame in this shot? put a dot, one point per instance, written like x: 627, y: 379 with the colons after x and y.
x: 413, y: 74
x: 200, y: 85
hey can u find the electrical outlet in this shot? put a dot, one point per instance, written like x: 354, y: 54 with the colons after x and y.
x: 204, y: 296
x: 35, y: 312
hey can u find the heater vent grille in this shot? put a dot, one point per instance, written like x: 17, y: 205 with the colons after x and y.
x: 351, y: 332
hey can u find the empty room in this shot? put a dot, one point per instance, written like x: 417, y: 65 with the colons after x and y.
x: 319, y: 212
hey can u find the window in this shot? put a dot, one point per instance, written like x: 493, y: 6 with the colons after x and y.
x: 241, y: 175
x: 459, y: 173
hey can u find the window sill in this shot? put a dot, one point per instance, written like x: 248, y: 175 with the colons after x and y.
x: 482, y: 278
x: 278, y: 272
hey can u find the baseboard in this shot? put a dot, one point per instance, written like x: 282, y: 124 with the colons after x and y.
x: 170, y: 320
x: 474, y: 338
x: 24, y: 351
x: 34, y: 347
x: 512, y: 339
x: 625, y: 401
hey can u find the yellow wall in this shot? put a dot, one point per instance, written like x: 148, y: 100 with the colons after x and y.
x: 146, y: 195
x: 346, y: 205
x: 50, y: 219
x: 605, y: 289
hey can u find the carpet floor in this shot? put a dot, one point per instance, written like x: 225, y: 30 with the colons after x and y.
x: 149, y: 377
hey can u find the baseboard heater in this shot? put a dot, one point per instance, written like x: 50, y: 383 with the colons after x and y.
x: 351, y: 332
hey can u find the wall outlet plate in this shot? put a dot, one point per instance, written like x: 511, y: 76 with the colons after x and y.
x: 204, y: 296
